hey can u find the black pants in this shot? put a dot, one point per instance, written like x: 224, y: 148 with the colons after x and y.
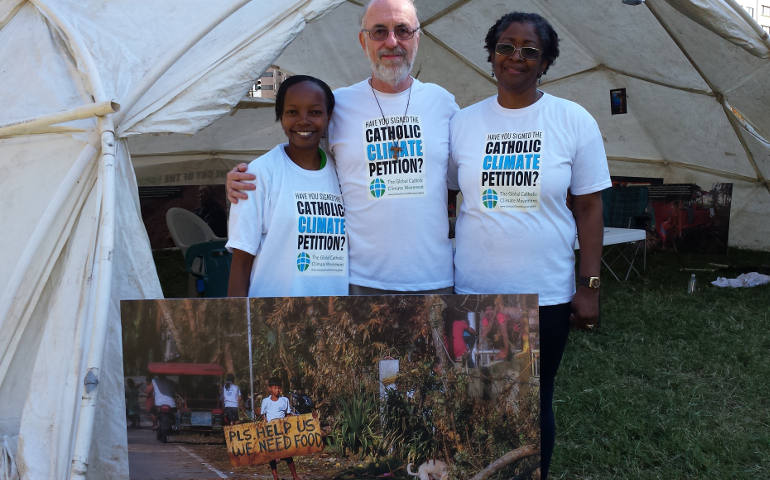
x: 231, y: 415
x: 554, y: 329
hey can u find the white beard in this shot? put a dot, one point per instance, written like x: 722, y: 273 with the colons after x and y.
x: 392, y: 74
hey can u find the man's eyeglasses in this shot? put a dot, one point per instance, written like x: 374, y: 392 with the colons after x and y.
x: 402, y: 32
x: 507, y: 50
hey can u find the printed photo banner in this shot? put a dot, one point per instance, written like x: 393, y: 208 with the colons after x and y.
x: 485, y: 348
x: 257, y: 443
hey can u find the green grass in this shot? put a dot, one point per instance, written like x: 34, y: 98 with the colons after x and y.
x: 672, y: 386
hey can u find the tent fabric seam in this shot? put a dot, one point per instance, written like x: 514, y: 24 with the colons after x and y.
x: 687, y: 166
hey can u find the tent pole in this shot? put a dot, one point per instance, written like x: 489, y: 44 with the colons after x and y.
x: 79, y: 113
x: 719, y: 96
x: 251, y: 359
x: 737, y: 129
x: 83, y: 419
x: 104, y: 260
x: 11, y: 14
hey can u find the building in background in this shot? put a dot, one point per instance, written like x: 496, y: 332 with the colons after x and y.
x: 268, y: 83
x: 759, y: 11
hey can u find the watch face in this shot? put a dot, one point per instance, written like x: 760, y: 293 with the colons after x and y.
x: 594, y: 282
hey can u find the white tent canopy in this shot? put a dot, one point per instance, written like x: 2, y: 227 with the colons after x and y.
x: 74, y: 245
x: 695, y: 73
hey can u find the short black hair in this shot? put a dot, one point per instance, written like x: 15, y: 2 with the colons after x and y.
x: 280, y: 97
x: 274, y: 381
x: 545, y: 33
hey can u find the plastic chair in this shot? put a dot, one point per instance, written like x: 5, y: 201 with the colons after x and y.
x: 625, y: 207
x: 187, y: 229
x: 209, y: 264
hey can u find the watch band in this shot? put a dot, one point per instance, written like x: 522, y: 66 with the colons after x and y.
x: 590, y: 282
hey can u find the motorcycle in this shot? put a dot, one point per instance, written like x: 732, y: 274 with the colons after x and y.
x: 166, y: 422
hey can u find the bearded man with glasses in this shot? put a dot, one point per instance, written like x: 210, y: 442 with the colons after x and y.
x: 389, y: 135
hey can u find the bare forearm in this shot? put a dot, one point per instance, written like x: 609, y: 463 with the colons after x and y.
x: 240, y: 273
x: 590, y: 228
x: 588, y: 217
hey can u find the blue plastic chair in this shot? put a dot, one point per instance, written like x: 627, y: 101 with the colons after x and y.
x: 209, y: 263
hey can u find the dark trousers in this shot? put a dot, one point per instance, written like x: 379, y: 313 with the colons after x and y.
x: 554, y: 329
x: 231, y: 415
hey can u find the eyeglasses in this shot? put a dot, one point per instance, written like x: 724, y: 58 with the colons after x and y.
x: 507, y: 50
x: 402, y: 32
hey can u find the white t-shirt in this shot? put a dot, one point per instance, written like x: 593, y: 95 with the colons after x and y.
x: 294, y: 225
x: 163, y: 392
x: 275, y: 409
x: 231, y: 396
x: 514, y: 232
x: 396, y: 209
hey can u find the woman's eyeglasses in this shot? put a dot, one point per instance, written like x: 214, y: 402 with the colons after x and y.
x: 402, y: 32
x: 507, y: 50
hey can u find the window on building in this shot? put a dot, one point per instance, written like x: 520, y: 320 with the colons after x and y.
x: 766, y: 10
x: 766, y: 28
x: 750, y: 10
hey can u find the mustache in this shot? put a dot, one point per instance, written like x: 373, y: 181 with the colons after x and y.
x: 391, y: 51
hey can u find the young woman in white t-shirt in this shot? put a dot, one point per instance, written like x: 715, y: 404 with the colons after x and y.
x: 288, y: 238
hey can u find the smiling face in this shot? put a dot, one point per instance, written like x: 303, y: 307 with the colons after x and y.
x: 304, y: 118
x: 391, y: 59
x: 516, y: 75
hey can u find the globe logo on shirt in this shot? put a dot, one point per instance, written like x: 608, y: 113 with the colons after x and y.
x: 303, y: 261
x: 377, y: 188
x: 489, y: 198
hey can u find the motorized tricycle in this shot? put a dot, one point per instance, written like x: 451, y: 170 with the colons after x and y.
x: 197, y: 398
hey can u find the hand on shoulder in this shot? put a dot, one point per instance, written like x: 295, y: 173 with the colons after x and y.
x: 237, y: 182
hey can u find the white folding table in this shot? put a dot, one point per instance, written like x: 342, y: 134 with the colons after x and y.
x: 624, y: 246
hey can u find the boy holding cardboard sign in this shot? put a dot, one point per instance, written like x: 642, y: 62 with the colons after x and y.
x: 275, y: 406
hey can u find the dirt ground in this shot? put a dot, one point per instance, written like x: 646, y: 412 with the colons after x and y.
x: 324, y: 465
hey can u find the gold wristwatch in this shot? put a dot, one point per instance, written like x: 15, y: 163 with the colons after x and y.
x: 590, y: 282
